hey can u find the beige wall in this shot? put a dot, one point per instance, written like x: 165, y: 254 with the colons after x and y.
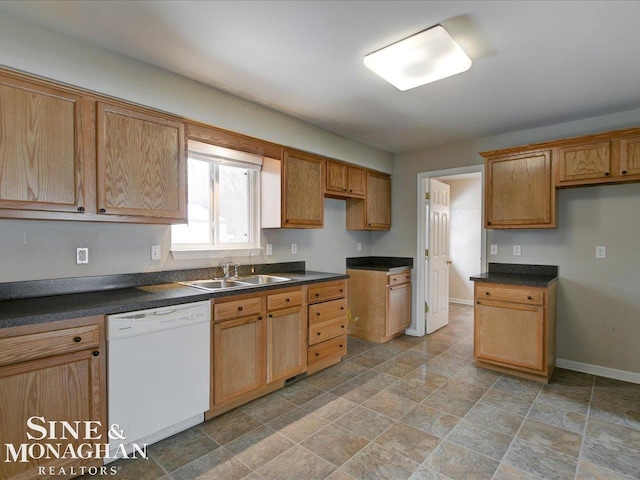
x: 598, y: 304
x: 465, y: 242
x: 41, y: 249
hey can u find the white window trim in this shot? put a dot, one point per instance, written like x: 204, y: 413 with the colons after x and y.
x: 221, y: 155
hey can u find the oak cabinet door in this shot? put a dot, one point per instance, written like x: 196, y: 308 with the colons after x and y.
x: 41, y: 149
x: 378, y: 202
x: 238, y: 352
x: 357, y: 182
x: 510, y: 334
x: 63, y: 387
x: 519, y: 191
x: 630, y: 157
x: 286, y: 343
x: 398, y: 308
x: 583, y: 164
x: 337, y: 177
x: 303, y: 190
x: 141, y: 164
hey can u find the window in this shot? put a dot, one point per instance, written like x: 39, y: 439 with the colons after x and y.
x: 223, y: 201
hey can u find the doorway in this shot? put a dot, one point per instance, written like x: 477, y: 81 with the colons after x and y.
x: 460, y: 248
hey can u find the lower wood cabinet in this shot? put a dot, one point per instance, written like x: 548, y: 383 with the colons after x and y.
x: 515, y: 329
x: 380, y: 303
x: 56, y: 371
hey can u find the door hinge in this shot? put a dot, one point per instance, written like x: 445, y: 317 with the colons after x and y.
x: 426, y: 307
x: 427, y: 196
x: 426, y: 253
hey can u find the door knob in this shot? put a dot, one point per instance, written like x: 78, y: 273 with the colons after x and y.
x: 449, y: 262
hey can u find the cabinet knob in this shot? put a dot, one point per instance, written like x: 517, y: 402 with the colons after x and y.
x: 239, y: 309
x: 341, y: 345
x: 350, y: 190
x: 259, y: 317
x: 95, y: 353
x: 287, y: 300
x: 81, y: 209
x: 77, y: 339
x: 319, y: 334
x: 286, y: 220
x: 488, y: 223
x: 317, y: 354
x: 317, y: 294
x: 271, y: 315
x: 478, y: 303
x: 341, y: 326
x: 341, y: 308
x: 344, y: 189
x: 623, y: 172
x: 606, y: 174
x: 317, y: 314
x: 102, y: 210
x: 341, y: 291
x: 487, y: 293
x: 529, y: 298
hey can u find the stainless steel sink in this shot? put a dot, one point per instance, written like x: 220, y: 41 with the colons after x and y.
x: 214, y: 284
x: 263, y: 279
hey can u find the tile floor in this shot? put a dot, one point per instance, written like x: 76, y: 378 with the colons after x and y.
x: 414, y: 408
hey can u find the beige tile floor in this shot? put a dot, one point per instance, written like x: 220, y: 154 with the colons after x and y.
x: 414, y: 408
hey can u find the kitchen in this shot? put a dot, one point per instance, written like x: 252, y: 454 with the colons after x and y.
x: 597, y: 300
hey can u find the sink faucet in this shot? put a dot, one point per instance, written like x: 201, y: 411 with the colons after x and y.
x: 227, y: 269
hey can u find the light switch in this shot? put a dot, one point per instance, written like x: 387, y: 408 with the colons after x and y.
x: 269, y: 248
x: 517, y: 250
x: 294, y: 248
x: 156, y: 252
x: 601, y: 251
x: 494, y: 249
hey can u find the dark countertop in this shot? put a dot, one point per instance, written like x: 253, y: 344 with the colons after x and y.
x: 27, y: 311
x: 384, y: 264
x: 519, y: 274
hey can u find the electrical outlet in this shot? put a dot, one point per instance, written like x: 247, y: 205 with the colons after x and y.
x: 517, y: 250
x: 82, y: 255
x: 294, y: 248
x: 494, y: 249
x: 156, y: 252
x: 269, y: 248
x: 359, y: 246
x: 601, y: 251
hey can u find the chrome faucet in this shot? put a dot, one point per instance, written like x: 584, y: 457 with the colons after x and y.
x: 227, y: 269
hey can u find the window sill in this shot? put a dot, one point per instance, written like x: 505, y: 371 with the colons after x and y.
x: 198, y: 253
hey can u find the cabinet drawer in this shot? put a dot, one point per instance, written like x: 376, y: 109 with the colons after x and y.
x: 327, y: 311
x: 330, y: 348
x: 515, y: 295
x: 321, y: 331
x: 47, y: 344
x: 399, y: 278
x: 284, y: 300
x: 324, y: 292
x: 237, y: 309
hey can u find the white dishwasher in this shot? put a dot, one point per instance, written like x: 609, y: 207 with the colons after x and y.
x: 158, y: 365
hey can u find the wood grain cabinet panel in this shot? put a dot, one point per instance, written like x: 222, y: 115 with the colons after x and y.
x: 515, y: 329
x: 303, y: 190
x: 374, y: 211
x: 630, y: 158
x: 344, y: 181
x: 398, y: 309
x: 286, y: 343
x: 519, y: 191
x: 140, y: 164
x: 65, y: 385
x: 582, y: 164
x: 42, y: 161
x: 327, y: 324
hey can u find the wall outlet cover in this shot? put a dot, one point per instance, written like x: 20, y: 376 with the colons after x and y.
x: 269, y: 248
x: 359, y: 246
x: 601, y: 251
x: 82, y: 255
x: 517, y: 250
x: 294, y: 248
x: 494, y: 249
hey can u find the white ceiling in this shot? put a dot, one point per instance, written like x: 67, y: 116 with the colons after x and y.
x: 534, y: 62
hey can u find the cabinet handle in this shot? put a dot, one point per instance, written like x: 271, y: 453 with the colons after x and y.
x: 623, y: 172
x: 286, y: 220
x: 487, y: 293
x: 340, y: 345
x: 478, y: 303
x: 350, y: 190
x: 317, y: 314
x: 95, y: 353
x: 341, y: 326
x: 606, y: 174
x: 81, y: 209
x: 489, y: 223
x: 271, y: 315
x: 529, y: 298
x: 259, y: 317
x: 317, y: 294
x: 341, y: 308
x: 102, y: 210
x: 317, y: 354
x: 341, y: 291
x: 287, y: 300
x: 239, y: 309
x: 319, y: 333
x: 344, y: 189
x: 77, y: 339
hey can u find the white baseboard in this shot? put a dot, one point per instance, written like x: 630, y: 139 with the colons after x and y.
x: 412, y: 331
x: 607, y: 372
x: 461, y: 301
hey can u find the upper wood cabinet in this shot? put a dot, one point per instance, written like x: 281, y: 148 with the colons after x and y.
x: 519, y: 191
x: 374, y: 212
x: 583, y: 164
x: 629, y: 166
x: 42, y: 161
x: 141, y: 163
x: 302, y: 190
x: 344, y: 180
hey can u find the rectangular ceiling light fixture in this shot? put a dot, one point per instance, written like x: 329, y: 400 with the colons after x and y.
x: 419, y: 59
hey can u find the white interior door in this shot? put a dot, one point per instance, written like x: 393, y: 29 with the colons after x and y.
x: 437, y: 256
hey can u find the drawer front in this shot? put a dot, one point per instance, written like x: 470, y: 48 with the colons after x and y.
x: 322, y: 293
x: 47, y: 344
x: 237, y: 309
x: 336, y: 347
x: 319, y: 332
x: 284, y: 300
x: 327, y: 311
x: 515, y: 295
x: 399, y: 278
